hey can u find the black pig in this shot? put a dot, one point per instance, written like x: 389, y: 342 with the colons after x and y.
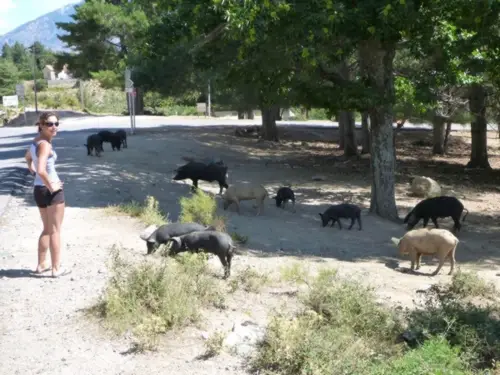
x: 437, y: 207
x: 211, y: 241
x: 195, y: 171
x: 344, y: 210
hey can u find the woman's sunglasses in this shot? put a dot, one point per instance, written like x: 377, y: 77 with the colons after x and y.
x: 51, y: 124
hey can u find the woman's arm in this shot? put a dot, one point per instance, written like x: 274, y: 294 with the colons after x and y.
x: 29, y: 161
x: 43, y: 151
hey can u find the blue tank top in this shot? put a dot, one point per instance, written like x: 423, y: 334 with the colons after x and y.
x: 51, y: 165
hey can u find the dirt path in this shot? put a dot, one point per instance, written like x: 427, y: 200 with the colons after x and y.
x: 42, y: 330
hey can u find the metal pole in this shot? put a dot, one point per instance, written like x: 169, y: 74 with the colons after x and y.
x: 209, y: 109
x: 129, y: 102
x: 133, y: 108
x: 34, y: 77
x: 24, y: 110
x: 81, y: 95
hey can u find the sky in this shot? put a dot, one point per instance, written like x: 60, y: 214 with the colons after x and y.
x: 14, y: 13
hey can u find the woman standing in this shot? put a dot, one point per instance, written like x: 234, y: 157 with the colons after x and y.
x: 48, y: 192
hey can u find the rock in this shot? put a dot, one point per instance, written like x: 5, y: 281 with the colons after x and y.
x: 244, y: 337
x: 318, y: 178
x: 425, y: 187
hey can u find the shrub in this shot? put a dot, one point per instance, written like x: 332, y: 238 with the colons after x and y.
x: 249, y: 280
x: 465, y: 313
x: 201, y: 208
x: 342, y: 330
x: 214, y: 344
x: 150, y: 299
x: 435, y: 356
x: 149, y: 212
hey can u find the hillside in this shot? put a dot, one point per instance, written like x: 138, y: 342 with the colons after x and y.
x: 43, y: 27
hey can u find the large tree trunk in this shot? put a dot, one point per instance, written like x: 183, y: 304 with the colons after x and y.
x: 438, y: 134
x: 269, y: 129
x: 348, y: 124
x: 479, y: 147
x: 365, y: 133
x: 341, y: 132
x: 241, y: 114
x: 250, y: 114
x: 377, y: 62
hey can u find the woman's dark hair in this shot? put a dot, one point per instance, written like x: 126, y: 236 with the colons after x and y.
x: 43, y: 118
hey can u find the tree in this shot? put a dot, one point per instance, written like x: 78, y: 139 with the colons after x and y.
x: 8, y: 77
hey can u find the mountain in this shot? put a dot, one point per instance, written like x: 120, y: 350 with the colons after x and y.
x: 44, y: 28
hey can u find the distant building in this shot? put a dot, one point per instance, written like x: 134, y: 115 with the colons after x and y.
x: 49, y: 73
x: 64, y: 73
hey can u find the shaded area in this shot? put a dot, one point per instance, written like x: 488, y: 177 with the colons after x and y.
x: 146, y: 168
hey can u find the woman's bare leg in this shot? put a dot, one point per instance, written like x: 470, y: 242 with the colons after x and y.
x: 43, y: 242
x: 56, y: 216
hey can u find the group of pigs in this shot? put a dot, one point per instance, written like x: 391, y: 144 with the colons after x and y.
x: 195, y: 237
x: 118, y: 139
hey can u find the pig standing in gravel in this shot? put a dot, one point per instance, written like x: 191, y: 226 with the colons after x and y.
x: 94, y: 142
x: 284, y: 195
x: 211, y: 241
x: 437, y: 207
x: 438, y: 242
x: 195, y: 171
x: 344, y: 210
x: 240, y: 192
x: 156, y: 236
x: 122, y: 134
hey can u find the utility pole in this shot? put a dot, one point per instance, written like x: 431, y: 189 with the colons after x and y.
x: 209, y: 101
x: 34, y: 76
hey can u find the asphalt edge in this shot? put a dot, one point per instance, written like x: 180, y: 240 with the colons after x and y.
x: 21, y: 182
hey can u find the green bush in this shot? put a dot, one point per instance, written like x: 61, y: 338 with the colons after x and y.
x: 201, y: 208
x: 150, y: 299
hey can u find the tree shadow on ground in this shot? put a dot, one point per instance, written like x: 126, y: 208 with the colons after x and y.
x: 147, y: 166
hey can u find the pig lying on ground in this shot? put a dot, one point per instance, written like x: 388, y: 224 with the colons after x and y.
x: 156, y: 236
x: 344, y: 210
x: 200, y: 171
x: 284, y: 195
x: 112, y: 138
x: 438, y: 242
x: 240, y: 192
x: 437, y: 207
x: 122, y: 134
x: 94, y: 142
x: 211, y: 241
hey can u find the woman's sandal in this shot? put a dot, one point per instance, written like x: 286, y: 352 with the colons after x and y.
x: 63, y: 271
x: 42, y: 271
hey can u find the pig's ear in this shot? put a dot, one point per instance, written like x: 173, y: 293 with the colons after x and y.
x: 395, y: 241
x: 177, y: 240
x: 147, y: 233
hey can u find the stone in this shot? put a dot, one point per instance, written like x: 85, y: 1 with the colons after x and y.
x: 425, y: 187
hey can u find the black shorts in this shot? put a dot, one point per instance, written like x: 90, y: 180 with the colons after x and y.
x: 44, y: 198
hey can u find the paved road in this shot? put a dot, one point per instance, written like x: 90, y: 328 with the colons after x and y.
x: 14, y: 140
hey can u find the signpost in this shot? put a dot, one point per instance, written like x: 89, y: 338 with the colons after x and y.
x: 20, y: 93
x: 130, y: 90
x: 10, y: 101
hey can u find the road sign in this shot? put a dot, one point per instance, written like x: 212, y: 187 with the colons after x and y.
x: 10, y: 101
x: 20, y: 90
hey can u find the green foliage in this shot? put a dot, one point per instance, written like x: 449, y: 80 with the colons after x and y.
x: 435, y: 356
x: 108, y: 79
x: 464, y: 312
x: 8, y: 77
x: 201, y: 208
x: 149, y: 212
x: 341, y: 331
x: 150, y: 299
